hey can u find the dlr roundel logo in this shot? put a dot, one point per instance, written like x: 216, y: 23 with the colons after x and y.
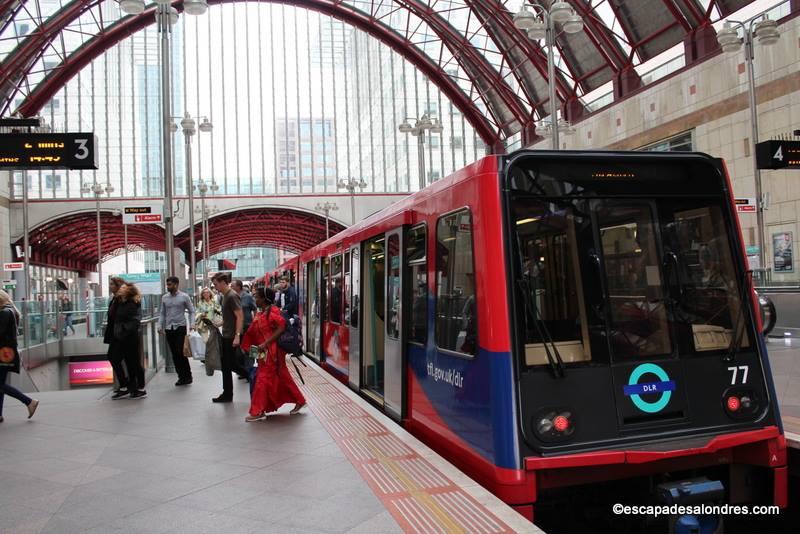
x: 664, y: 386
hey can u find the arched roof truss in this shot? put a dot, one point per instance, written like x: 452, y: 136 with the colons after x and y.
x: 470, y: 49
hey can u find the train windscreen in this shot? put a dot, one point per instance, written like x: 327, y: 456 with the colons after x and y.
x: 619, y: 260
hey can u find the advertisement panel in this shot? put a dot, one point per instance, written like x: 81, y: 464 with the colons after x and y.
x: 90, y: 373
x: 782, y: 252
x: 148, y: 283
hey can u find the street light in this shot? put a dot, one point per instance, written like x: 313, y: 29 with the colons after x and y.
x: 327, y: 208
x: 98, y: 189
x: 766, y: 31
x: 541, y: 24
x: 188, y: 125
x: 203, y: 188
x: 418, y: 130
x: 166, y: 17
x: 351, y: 184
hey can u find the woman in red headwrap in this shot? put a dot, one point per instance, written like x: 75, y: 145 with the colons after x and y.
x: 274, y: 386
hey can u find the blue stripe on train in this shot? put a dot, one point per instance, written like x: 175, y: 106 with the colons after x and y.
x: 475, y: 397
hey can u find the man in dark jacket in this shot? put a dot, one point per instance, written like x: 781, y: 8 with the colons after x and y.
x: 287, y: 299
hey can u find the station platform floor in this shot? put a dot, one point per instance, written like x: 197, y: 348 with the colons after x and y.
x: 784, y: 357
x: 175, y: 462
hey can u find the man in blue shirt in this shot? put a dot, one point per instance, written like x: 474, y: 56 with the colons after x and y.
x: 172, y: 320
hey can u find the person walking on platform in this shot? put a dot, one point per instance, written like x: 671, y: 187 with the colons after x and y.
x: 9, y: 355
x: 127, y: 321
x: 287, y: 299
x: 248, y: 309
x: 207, y: 308
x: 114, y: 354
x: 66, y: 309
x: 274, y: 385
x: 232, y: 324
x: 172, y: 320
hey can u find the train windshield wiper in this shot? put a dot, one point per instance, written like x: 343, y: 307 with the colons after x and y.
x: 739, y: 327
x: 532, y: 311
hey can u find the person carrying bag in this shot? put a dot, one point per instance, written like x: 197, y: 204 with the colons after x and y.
x: 9, y: 355
x: 274, y: 386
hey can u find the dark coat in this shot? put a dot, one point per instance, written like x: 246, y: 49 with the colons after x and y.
x: 108, y: 335
x: 8, y: 337
x: 127, y: 315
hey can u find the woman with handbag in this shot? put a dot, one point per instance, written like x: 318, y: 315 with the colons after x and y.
x: 208, y: 308
x: 274, y: 385
x: 9, y: 356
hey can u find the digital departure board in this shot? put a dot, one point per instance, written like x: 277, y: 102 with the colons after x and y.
x: 778, y: 154
x: 48, y: 150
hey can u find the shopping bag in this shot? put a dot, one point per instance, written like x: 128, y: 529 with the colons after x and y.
x: 187, y: 349
x: 197, y: 345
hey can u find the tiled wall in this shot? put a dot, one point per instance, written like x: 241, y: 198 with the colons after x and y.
x: 712, y: 100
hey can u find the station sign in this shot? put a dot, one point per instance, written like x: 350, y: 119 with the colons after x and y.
x: 142, y: 215
x: 778, y: 154
x: 745, y: 205
x: 14, y: 266
x: 9, y: 284
x: 48, y: 151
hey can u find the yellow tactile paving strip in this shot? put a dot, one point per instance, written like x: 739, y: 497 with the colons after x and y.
x: 419, y: 496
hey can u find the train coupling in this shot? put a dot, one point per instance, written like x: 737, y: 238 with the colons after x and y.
x: 685, y: 499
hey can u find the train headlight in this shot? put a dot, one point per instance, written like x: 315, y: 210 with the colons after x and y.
x: 554, y: 424
x: 741, y: 403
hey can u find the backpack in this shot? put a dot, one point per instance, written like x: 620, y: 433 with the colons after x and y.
x: 291, y: 340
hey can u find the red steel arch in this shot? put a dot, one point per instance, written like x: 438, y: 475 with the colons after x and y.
x: 71, y: 241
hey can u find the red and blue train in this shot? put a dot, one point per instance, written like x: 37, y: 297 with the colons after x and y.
x: 567, y: 326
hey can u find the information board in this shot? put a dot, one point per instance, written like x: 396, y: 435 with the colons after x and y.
x: 142, y: 215
x: 50, y: 151
x: 778, y: 154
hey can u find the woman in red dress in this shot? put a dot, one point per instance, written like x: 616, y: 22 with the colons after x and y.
x: 274, y: 385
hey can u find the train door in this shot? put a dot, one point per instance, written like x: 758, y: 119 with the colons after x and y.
x: 372, y: 318
x: 312, y: 311
x: 394, y: 368
x: 354, y: 287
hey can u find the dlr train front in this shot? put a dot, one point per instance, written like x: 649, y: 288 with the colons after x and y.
x: 642, y: 374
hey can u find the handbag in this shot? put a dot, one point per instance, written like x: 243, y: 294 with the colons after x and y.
x: 7, y: 355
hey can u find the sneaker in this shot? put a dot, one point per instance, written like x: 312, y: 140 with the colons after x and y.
x: 32, y: 408
x: 183, y: 382
x: 223, y: 398
x: 119, y: 394
x: 139, y: 394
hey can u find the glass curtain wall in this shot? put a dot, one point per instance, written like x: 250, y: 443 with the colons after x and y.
x: 298, y: 100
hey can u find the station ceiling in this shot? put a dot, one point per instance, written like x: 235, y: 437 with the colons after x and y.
x: 470, y: 49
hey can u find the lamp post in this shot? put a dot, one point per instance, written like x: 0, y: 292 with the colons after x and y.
x: 188, y: 126
x: 202, y: 188
x: 766, y: 31
x: 542, y: 25
x: 351, y: 184
x: 327, y: 207
x: 418, y: 130
x: 166, y: 17
x: 98, y: 189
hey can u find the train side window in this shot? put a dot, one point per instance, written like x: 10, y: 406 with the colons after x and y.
x: 393, y: 296
x: 346, y: 288
x: 336, y: 289
x: 456, y: 309
x: 325, y: 290
x: 417, y: 262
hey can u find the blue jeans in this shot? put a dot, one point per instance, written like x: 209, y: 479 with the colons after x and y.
x: 68, y: 323
x: 5, y: 389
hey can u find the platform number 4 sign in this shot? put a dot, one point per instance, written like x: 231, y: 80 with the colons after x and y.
x: 779, y: 154
x: 735, y: 373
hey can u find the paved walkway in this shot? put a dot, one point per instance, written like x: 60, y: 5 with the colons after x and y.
x: 175, y: 462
